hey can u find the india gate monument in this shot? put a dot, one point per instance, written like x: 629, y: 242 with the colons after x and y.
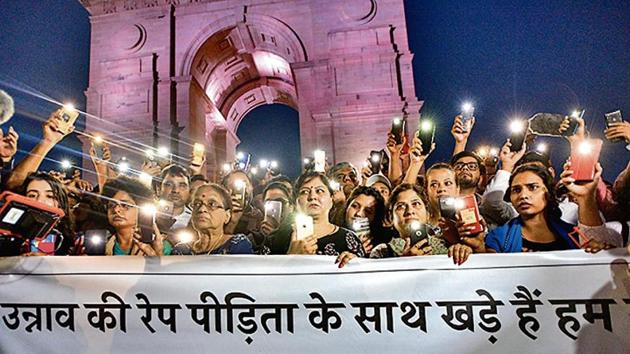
x: 193, y: 69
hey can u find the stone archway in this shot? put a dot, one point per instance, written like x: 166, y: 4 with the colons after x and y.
x: 192, y: 69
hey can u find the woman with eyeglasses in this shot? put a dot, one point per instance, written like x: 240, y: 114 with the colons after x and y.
x: 212, y: 206
x: 125, y: 197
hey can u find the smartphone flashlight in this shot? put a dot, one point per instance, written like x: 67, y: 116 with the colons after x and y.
x: 145, y: 178
x: 185, y: 236
x: 149, y: 209
x: 467, y: 108
x: 273, y: 164
x: 69, y: 107
x: 415, y: 225
x: 66, y: 164
x: 162, y: 151
x: 542, y: 148
x: 239, y: 185
x: 396, y: 121
x: 96, y: 240
x: 254, y: 170
x: 226, y: 167
x: 307, y: 161
x: 426, y: 125
x: 123, y: 166
x: 482, y: 152
x: 335, y: 186
x: 375, y: 158
x: 263, y: 163
x: 98, y: 139
x: 494, y: 152
x: 585, y: 148
x: 150, y: 154
x: 516, y: 126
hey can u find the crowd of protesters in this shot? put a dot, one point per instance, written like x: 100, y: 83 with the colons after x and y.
x: 504, y: 201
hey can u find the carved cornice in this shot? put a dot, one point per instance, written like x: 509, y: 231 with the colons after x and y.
x: 105, y: 7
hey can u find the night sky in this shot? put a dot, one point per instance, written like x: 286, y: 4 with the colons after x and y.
x: 508, y: 57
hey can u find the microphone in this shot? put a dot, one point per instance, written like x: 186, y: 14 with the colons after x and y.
x: 6, y: 107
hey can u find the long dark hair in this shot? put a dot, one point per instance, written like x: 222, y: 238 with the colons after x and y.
x: 66, y: 224
x: 552, y: 210
x: 376, y: 226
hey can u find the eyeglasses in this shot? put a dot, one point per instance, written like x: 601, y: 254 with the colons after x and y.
x: 125, y: 206
x: 471, y: 166
x: 211, y: 205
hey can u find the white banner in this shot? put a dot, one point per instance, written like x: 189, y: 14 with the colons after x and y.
x: 557, y: 302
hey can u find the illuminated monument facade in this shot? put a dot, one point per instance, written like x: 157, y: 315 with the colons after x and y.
x: 172, y: 72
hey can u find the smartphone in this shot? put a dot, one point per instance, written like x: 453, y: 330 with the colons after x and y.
x: 98, y: 150
x: 398, y: 130
x: 517, y: 138
x: 273, y: 210
x: 584, y: 157
x: 95, y: 241
x: 319, y: 156
x: 469, y: 213
x: 614, y: 117
x: 239, y: 189
x: 166, y: 208
x: 449, y: 207
x: 303, y: 226
x: 145, y: 222
x: 418, y: 232
x: 198, y: 152
x: 26, y: 218
x: 376, y: 159
x: 361, y: 227
x: 467, y: 117
x: 68, y: 118
x: 243, y: 161
x: 44, y: 244
x: 426, y: 134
